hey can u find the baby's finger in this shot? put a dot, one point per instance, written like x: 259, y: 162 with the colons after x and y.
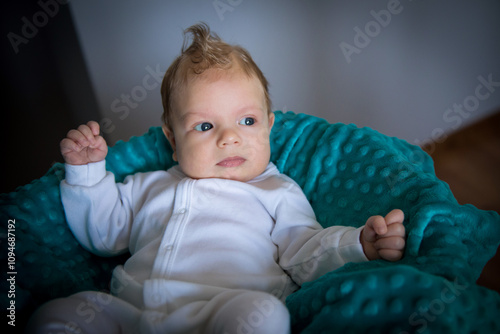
x: 78, y: 137
x: 375, y: 226
x: 69, y: 145
x: 390, y: 254
x: 100, y: 143
x: 87, y: 133
x: 94, y: 127
x: 395, y: 216
x: 395, y: 230
x: 395, y: 243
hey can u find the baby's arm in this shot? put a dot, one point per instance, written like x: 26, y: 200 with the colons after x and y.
x: 306, y: 249
x: 98, y: 212
x: 84, y: 145
x: 384, y: 237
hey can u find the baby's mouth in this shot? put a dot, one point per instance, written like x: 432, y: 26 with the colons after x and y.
x: 231, y: 162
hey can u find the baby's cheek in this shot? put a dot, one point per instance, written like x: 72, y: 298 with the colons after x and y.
x: 263, y: 136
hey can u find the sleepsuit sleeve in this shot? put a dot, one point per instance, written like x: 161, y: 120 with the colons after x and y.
x: 99, y: 211
x: 306, y: 249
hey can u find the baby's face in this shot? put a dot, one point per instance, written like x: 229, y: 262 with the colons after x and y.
x: 221, y: 128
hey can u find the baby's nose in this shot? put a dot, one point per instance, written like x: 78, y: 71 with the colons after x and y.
x: 228, y: 137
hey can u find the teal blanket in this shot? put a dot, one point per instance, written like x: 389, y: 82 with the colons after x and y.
x: 348, y: 174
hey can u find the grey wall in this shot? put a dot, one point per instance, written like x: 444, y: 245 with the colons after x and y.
x: 406, y: 75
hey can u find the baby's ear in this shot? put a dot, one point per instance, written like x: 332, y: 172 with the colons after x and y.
x: 171, y: 139
x: 169, y: 134
x: 271, y: 120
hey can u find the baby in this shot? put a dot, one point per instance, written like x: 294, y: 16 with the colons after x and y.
x: 218, y: 241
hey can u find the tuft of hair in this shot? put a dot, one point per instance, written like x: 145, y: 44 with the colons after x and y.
x: 207, y: 50
x: 203, y: 50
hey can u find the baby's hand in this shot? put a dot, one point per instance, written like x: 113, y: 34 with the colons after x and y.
x: 84, y: 145
x: 384, y: 238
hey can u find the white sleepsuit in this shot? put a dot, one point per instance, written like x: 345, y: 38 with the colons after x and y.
x: 202, y: 248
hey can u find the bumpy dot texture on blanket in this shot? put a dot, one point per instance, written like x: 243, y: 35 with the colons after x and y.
x: 348, y: 174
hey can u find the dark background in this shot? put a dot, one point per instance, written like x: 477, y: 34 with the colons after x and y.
x: 46, y: 91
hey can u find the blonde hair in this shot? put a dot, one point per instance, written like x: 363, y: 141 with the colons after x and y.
x: 207, y: 51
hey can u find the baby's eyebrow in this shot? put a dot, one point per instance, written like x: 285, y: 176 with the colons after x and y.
x: 250, y: 107
x: 191, y: 114
x: 247, y: 109
x: 251, y: 110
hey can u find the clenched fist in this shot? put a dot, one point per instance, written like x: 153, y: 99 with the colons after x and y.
x: 84, y: 145
x: 384, y: 237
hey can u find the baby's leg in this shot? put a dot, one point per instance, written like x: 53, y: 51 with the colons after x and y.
x: 251, y: 312
x: 85, y: 312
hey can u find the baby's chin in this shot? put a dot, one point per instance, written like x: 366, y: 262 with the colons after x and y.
x: 240, y: 178
x: 234, y: 174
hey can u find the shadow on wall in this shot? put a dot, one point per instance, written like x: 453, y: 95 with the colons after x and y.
x: 46, y: 90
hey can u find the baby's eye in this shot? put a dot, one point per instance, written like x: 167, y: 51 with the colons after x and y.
x: 203, y: 127
x: 247, y: 121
